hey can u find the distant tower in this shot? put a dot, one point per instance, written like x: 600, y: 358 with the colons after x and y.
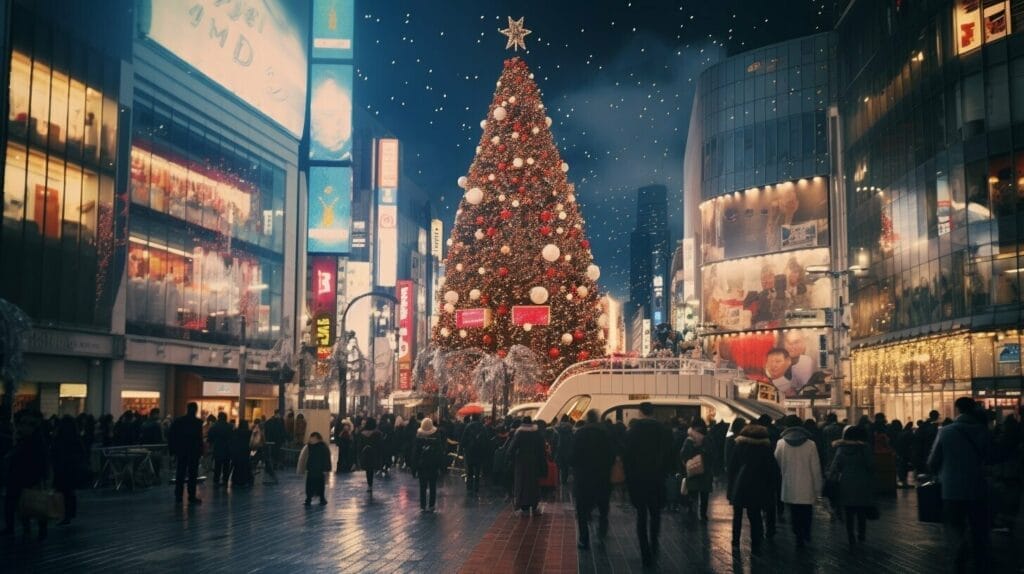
x: 649, y: 254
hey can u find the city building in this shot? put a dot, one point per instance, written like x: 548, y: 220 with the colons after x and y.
x: 757, y: 187
x: 683, y: 303
x: 931, y: 97
x: 650, y: 254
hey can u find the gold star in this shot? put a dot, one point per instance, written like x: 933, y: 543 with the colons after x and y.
x: 516, y: 34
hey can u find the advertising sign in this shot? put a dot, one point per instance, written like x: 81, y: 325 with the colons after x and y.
x: 789, y: 215
x: 793, y: 361
x: 333, y: 23
x: 323, y: 330
x: 324, y: 284
x: 330, y: 112
x: 756, y: 292
x: 387, y: 245
x: 330, y: 209
x: 437, y: 238
x: 689, y: 258
x: 532, y: 314
x: 975, y: 25
x: 255, y: 50
x: 387, y: 164
x: 645, y: 338
x: 472, y: 318
x: 406, y: 332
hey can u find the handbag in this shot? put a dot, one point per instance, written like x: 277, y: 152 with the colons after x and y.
x: 618, y: 475
x: 42, y: 504
x: 695, y: 466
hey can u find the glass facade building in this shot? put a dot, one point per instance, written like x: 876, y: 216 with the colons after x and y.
x: 932, y: 109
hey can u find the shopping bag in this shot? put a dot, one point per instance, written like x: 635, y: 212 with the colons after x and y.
x: 618, y: 471
x: 695, y: 466
x: 929, y: 502
x: 550, y: 478
x: 42, y: 504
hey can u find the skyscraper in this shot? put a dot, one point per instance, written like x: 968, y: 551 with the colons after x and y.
x: 649, y: 253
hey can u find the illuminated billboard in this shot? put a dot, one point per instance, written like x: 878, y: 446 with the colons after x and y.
x: 387, y: 166
x: 790, y: 215
x: 794, y: 361
x: 330, y: 112
x: 332, y: 28
x: 324, y: 298
x: 330, y: 210
x: 975, y: 24
x: 387, y: 245
x: 758, y: 292
x: 406, y: 332
x: 255, y: 50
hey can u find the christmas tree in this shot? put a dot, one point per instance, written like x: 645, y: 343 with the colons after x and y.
x: 519, y: 270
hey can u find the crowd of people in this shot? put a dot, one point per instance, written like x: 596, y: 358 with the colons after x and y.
x: 766, y: 466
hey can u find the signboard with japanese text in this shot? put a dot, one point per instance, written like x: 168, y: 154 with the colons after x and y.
x: 387, y: 164
x: 532, y: 314
x: 472, y: 318
x: 406, y: 332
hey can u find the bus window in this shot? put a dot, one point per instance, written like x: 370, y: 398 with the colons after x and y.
x: 663, y: 413
x: 576, y: 407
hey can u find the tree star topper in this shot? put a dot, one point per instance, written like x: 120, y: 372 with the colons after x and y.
x: 516, y: 34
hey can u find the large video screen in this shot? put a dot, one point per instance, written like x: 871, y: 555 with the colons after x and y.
x: 330, y: 210
x: 256, y: 49
x: 790, y: 215
x: 794, y: 361
x: 757, y: 292
x: 330, y: 112
x: 333, y: 24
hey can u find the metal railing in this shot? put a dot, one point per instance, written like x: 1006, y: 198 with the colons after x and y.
x: 644, y: 366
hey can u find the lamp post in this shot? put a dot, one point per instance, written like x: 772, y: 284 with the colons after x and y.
x: 343, y: 360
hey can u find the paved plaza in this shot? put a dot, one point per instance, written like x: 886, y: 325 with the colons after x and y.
x: 266, y: 529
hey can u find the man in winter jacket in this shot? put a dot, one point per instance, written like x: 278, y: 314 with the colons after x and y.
x: 563, y: 450
x: 219, y: 438
x: 797, y: 455
x: 592, y: 460
x: 646, y: 460
x: 185, y: 442
x: 958, y: 458
x: 753, y: 479
x: 474, y: 449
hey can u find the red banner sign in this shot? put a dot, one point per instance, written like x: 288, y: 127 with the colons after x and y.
x: 472, y: 318
x: 323, y: 292
x: 532, y: 314
x: 405, y: 292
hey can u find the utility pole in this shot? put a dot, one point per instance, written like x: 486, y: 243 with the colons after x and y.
x: 242, y: 360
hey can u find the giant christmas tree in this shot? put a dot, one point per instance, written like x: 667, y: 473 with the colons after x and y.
x: 519, y: 270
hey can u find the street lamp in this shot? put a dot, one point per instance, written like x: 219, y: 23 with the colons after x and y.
x: 343, y: 362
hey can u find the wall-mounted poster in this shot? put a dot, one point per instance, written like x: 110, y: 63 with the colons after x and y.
x: 333, y: 24
x: 976, y: 23
x: 330, y: 112
x: 794, y: 361
x: 330, y: 209
x: 790, y: 215
x: 756, y: 292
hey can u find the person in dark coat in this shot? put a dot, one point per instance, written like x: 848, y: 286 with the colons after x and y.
x: 854, y: 468
x: 185, y: 442
x: 921, y: 446
x: 903, y: 445
x: 475, y: 449
x: 730, y: 439
x: 714, y: 448
x: 428, y: 455
x: 241, y: 465
x: 368, y: 448
x: 563, y: 448
x: 343, y: 438
x: 69, y: 462
x: 219, y: 438
x: 315, y: 461
x: 753, y: 479
x: 646, y: 460
x: 529, y: 464
x: 27, y: 463
x: 591, y: 460
x: 276, y: 437
x: 697, y: 486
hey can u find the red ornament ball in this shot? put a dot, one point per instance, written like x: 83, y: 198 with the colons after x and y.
x: 585, y: 244
x: 573, y: 232
x: 502, y: 166
x: 502, y: 353
x: 479, y: 220
x: 501, y: 147
x: 506, y: 214
x: 488, y: 340
x: 515, y: 180
x: 554, y: 353
x: 502, y: 271
x: 502, y: 310
x: 546, y: 216
x: 545, y: 230
x: 491, y: 232
x: 551, y: 273
x: 578, y: 335
x: 517, y: 126
x: 583, y: 355
x: 484, y: 299
x: 522, y: 189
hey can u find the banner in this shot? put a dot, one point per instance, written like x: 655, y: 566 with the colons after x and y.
x: 330, y: 209
x: 406, y: 332
x: 532, y: 314
x: 472, y: 318
x: 794, y: 361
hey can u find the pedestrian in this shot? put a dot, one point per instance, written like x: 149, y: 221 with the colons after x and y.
x: 921, y: 446
x: 797, y: 455
x: 563, y: 448
x: 368, y: 447
x: 753, y: 478
x: 289, y: 427
x: 276, y: 437
x: 152, y: 434
x: 474, y: 445
x: 241, y: 463
x: 698, y: 478
x: 185, y: 442
x: 69, y: 463
x: 830, y: 433
x: 646, y: 461
x: 219, y: 438
x: 529, y: 464
x: 902, y: 445
x: 853, y: 468
x: 959, y: 457
x: 735, y: 429
x: 343, y: 439
x: 299, y: 433
x: 28, y: 468
x: 427, y: 459
x: 315, y: 461
x: 591, y: 460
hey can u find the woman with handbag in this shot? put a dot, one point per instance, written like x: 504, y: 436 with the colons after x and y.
x: 69, y: 464
x: 853, y: 468
x: 697, y: 481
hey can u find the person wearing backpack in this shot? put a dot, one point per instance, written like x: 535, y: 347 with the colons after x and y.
x: 428, y: 458
x: 368, y: 446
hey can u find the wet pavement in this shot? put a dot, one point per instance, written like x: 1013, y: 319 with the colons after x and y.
x: 267, y: 529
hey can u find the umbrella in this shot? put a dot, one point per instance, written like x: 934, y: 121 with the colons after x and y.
x: 470, y: 409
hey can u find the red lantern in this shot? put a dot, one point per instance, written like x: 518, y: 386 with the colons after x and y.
x: 506, y: 214
x: 553, y: 352
x: 578, y: 335
x: 502, y: 271
x: 583, y: 355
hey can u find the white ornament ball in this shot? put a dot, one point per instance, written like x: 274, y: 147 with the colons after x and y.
x: 559, y: 230
x: 463, y: 181
x: 505, y: 250
x: 449, y: 308
x: 495, y: 140
x: 600, y: 335
x: 515, y: 203
x: 463, y: 333
x: 445, y: 332
x: 483, y: 124
x: 477, y: 150
x: 568, y: 296
x: 593, y: 272
x: 566, y: 338
x: 565, y: 167
x: 474, y: 294
x: 451, y: 297
x: 517, y: 162
x: 539, y: 295
x: 527, y: 327
x: 499, y: 83
x: 602, y: 321
x: 479, y: 234
x: 459, y: 267
x: 582, y: 291
x: 501, y: 197
x: 560, y: 207
x: 562, y: 215
x: 529, y: 161
x: 547, y: 121
x: 474, y: 196
x: 568, y: 257
x: 481, y: 270
x: 571, y: 198
x: 458, y: 212
x: 500, y: 113
x: 550, y: 253
x: 504, y: 103
x: 491, y: 177
x: 511, y: 99
x: 531, y: 75
x: 515, y: 135
x: 535, y: 130
x: 448, y: 242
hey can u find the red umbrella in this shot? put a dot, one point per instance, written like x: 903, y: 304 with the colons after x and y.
x: 471, y: 409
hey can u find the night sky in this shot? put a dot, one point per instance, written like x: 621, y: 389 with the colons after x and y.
x: 617, y: 77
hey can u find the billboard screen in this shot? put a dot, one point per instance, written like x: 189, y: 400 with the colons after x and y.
x: 333, y: 24
x: 330, y: 112
x: 794, y: 361
x: 387, y: 165
x: 255, y: 50
x: 406, y: 332
x: 790, y: 215
x: 330, y: 209
x: 757, y: 292
x: 387, y: 245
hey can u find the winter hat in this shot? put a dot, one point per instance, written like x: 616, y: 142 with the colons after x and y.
x: 427, y: 425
